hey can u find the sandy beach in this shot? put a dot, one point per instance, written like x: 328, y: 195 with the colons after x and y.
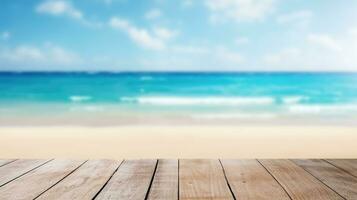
x: 178, y: 142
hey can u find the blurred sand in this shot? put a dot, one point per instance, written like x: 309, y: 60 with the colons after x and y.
x: 179, y: 142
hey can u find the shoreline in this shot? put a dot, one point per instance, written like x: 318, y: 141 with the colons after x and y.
x: 162, y: 141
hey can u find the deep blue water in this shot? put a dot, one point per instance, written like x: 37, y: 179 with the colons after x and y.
x: 224, y: 94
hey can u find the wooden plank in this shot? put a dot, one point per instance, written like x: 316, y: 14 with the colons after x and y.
x: 85, y: 182
x: 249, y: 180
x: 348, y: 165
x: 39, y: 180
x: 131, y: 181
x: 4, y: 162
x: 202, y: 179
x: 297, y: 182
x: 337, y: 179
x: 17, y: 168
x: 165, y: 183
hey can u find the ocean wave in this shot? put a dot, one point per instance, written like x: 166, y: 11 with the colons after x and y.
x: 87, y: 108
x: 322, y: 109
x: 225, y: 116
x: 188, y: 101
x: 80, y: 98
x: 293, y: 99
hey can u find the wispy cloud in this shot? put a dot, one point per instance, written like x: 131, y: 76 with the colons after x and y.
x: 229, y: 57
x: 155, y: 40
x: 241, y: 40
x: 190, y: 57
x: 301, y: 15
x: 317, y: 52
x: 164, y: 33
x: 353, y: 31
x: 324, y: 41
x: 34, y: 55
x: 153, y: 14
x: 300, y: 19
x: 239, y: 10
x: 291, y: 53
x: 59, y: 7
x: 64, y: 8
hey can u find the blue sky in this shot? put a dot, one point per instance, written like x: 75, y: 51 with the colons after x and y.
x: 172, y: 35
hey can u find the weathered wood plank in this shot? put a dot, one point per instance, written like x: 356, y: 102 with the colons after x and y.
x: 340, y: 181
x: 249, y: 180
x: 348, y: 165
x: 4, y: 162
x: 85, y: 182
x: 131, y: 181
x: 17, y: 168
x: 165, y: 183
x: 39, y: 180
x: 297, y: 182
x: 202, y: 179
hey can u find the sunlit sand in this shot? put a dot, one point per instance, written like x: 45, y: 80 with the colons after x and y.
x: 179, y: 142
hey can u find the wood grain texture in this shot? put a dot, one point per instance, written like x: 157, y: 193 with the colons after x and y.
x: 131, y: 181
x: 337, y: 179
x: 173, y: 179
x: 249, y: 180
x: 6, y: 161
x: 202, y: 179
x: 297, y: 182
x: 85, y: 182
x: 165, y: 183
x: 37, y: 181
x: 17, y: 168
x: 348, y: 165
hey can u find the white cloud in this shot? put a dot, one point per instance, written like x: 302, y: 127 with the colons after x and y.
x: 229, y: 57
x: 325, y: 41
x: 241, y: 40
x: 59, y: 7
x: 153, y: 14
x: 319, y: 52
x: 139, y: 36
x: 5, y: 35
x: 64, y: 8
x: 32, y: 55
x: 23, y: 53
x: 240, y: 10
x: 292, y: 54
x: 301, y: 18
x: 155, y: 40
x: 164, y: 33
x: 353, y: 31
x: 194, y: 58
x: 215, y: 58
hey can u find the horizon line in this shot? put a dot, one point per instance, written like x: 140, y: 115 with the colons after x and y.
x: 170, y: 71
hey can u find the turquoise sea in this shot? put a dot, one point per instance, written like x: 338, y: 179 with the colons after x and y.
x: 120, y: 98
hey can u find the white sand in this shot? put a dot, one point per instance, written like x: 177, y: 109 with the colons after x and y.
x: 179, y: 142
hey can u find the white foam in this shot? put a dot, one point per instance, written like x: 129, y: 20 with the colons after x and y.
x: 187, y: 101
x: 80, y: 98
x: 293, y: 99
x: 87, y: 108
x: 322, y: 109
x: 225, y: 116
x: 93, y: 108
